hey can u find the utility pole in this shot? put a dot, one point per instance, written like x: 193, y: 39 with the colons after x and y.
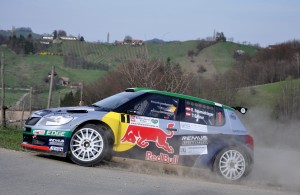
x: 297, y: 58
x: 30, y: 101
x: 3, y: 92
x: 81, y: 102
x: 50, y: 88
x: 22, y: 116
x: 81, y: 91
x: 59, y: 101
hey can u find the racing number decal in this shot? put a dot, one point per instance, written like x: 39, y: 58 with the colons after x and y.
x: 125, y: 118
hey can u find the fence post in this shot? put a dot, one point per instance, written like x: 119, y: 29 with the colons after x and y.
x: 22, y: 116
x: 3, y: 118
x: 50, y: 88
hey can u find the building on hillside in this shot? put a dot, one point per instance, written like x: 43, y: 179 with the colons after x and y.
x: 136, y: 42
x: 64, y: 81
x: 118, y: 42
x: 69, y: 38
x: 46, y: 40
x: 133, y: 42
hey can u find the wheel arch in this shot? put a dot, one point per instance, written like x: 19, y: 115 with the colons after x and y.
x: 215, y: 149
x: 240, y: 146
x: 110, y: 134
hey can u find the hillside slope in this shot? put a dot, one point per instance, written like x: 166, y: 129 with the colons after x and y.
x: 264, y: 95
x: 32, y: 70
x: 216, y: 58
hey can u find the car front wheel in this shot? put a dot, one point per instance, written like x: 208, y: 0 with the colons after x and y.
x: 232, y: 164
x: 89, y: 145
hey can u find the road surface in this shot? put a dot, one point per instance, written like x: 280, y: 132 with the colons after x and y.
x: 28, y: 173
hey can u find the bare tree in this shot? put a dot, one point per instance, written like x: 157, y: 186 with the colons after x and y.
x: 155, y: 74
x: 140, y: 72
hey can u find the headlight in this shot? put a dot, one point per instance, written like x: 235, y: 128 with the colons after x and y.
x: 55, y: 120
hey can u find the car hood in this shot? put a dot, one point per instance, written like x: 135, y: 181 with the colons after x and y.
x: 64, y: 110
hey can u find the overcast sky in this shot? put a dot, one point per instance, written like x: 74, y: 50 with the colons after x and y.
x: 256, y: 21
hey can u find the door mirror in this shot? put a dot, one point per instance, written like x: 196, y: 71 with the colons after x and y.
x: 131, y: 111
x: 241, y: 109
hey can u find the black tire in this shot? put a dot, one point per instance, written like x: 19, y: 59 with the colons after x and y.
x: 232, y: 164
x: 89, y: 145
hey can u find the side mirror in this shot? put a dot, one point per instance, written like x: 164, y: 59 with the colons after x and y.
x: 242, y: 110
x: 131, y: 111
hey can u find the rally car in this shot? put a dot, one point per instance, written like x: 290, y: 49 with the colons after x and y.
x: 148, y: 125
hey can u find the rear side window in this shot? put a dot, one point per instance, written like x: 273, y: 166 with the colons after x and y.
x: 195, y: 112
x: 158, y: 106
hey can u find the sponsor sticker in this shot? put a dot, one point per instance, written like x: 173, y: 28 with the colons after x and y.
x: 55, y: 133
x: 193, y: 127
x: 163, y: 158
x: 56, y: 142
x: 193, y: 150
x: 56, y: 149
x: 194, y: 140
x: 39, y: 132
x: 144, y: 121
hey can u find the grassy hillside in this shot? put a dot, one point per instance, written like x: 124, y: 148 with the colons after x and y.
x: 113, y: 55
x: 262, y: 95
x: 222, y: 53
x: 32, y: 70
x: 216, y: 58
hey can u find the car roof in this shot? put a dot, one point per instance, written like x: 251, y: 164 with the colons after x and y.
x: 182, y: 96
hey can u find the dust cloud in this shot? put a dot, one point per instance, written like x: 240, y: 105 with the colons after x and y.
x: 276, y: 151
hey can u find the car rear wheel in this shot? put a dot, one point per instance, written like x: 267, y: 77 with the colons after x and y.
x: 232, y: 164
x: 89, y: 145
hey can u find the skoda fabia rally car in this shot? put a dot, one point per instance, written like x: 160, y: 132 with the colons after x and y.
x: 148, y: 125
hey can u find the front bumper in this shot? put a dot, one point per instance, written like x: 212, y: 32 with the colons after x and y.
x: 54, y: 142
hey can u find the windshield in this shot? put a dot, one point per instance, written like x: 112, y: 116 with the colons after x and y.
x: 116, y: 100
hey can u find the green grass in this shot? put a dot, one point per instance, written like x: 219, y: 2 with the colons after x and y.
x: 40, y: 100
x: 262, y: 95
x: 32, y: 70
x: 222, y: 53
x: 12, y: 96
x: 10, y: 138
x: 174, y: 50
x: 111, y: 55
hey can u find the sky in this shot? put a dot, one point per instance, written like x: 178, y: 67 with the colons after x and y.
x: 262, y: 22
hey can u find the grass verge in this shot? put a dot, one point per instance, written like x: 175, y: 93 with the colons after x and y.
x: 10, y: 138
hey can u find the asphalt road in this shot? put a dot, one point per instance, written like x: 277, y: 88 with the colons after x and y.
x: 28, y: 173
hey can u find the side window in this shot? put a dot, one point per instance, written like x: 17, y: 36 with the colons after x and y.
x: 204, y: 114
x: 220, y: 116
x: 158, y: 106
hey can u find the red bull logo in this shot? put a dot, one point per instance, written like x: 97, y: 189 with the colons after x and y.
x: 142, y: 135
x: 164, y: 158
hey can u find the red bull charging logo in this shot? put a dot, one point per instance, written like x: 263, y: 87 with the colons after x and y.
x: 142, y: 135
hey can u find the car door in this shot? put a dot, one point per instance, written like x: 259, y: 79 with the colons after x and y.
x: 194, y: 135
x: 148, y: 128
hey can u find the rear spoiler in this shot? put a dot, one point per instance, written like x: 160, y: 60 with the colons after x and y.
x: 242, y: 110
